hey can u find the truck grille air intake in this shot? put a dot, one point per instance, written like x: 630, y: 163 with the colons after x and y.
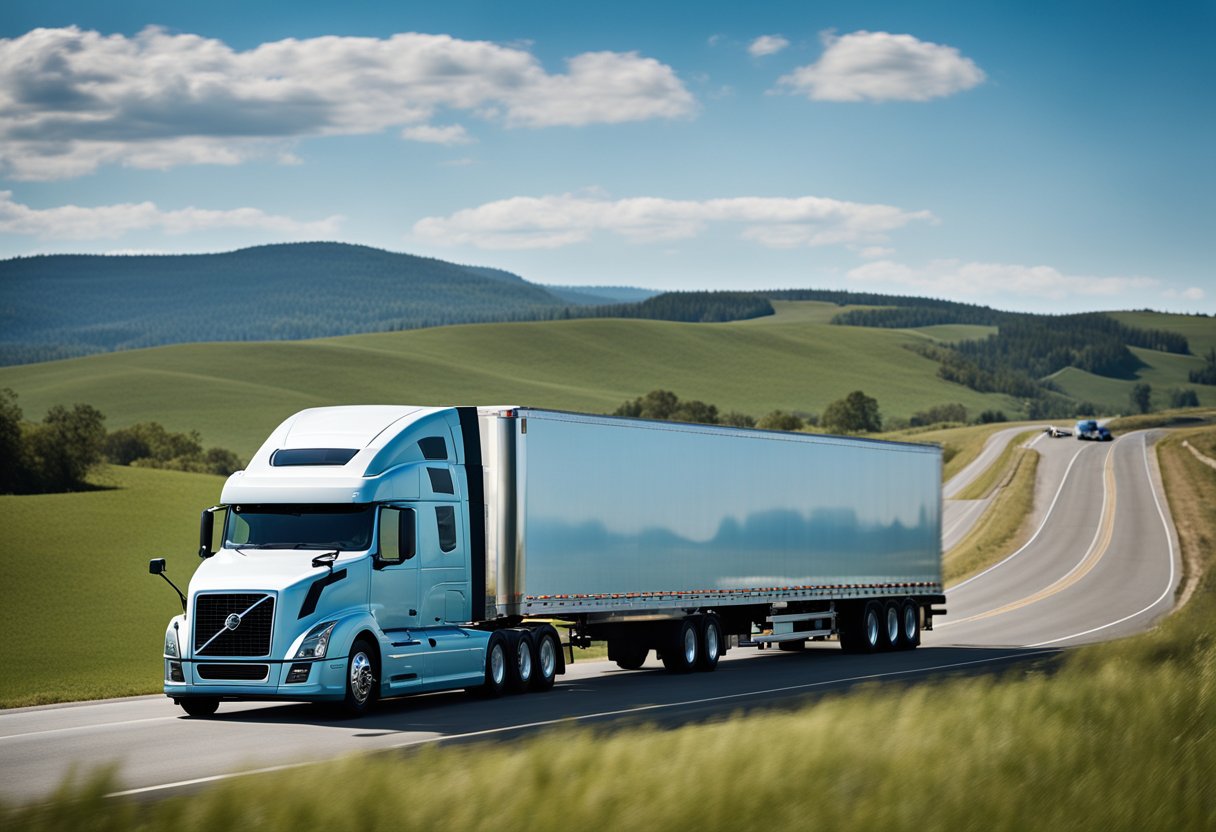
x: 237, y: 624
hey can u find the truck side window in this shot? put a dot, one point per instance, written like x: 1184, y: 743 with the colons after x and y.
x: 397, y: 534
x: 445, y: 517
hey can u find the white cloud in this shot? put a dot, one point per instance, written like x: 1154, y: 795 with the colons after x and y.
x: 450, y: 134
x: 960, y: 280
x: 561, y: 220
x: 874, y: 252
x: 767, y: 45
x: 71, y: 100
x: 879, y: 66
x: 1189, y: 293
x: 74, y: 222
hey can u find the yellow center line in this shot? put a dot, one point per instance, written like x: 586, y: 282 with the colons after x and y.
x: 1102, y: 539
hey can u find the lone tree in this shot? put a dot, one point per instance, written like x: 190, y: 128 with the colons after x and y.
x: 1142, y: 397
x: 855, y: 413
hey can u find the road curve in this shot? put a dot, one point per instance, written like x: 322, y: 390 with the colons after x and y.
x: 1102, y: 563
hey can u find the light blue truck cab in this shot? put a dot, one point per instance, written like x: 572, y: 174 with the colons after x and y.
x: 343, y: 571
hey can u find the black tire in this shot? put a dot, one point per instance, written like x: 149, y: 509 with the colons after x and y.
x: 362, y: 679
x: 682, y: 647
x: 892, y: 626
x: 200, y: 707
x: 520, y: 665
x: 497, y: 658
x: 909, y: 625
x: 709, y: 646
x: 546, y: 658
x: 628, y: 653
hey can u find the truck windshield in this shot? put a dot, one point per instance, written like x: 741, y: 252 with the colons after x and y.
x: 291, y: 526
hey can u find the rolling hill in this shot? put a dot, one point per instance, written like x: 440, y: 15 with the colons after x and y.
x: 57, y: 306
x: 234, y: 393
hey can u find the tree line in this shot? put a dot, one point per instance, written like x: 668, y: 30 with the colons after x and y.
x: 58, y: 453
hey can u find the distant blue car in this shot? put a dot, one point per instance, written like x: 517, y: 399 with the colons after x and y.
x: 1090, y: 429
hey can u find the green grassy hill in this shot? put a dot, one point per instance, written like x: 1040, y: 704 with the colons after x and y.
x: 235, y: 393
x: 83, y: 618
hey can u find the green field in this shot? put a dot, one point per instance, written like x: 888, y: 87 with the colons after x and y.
x: 83, y: 617
x: 235, y: 393
x: 1113, y: 736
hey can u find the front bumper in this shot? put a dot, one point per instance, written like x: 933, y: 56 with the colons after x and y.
x: 325, y: 680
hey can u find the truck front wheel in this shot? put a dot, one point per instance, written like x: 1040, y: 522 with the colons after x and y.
x: 360, y: 679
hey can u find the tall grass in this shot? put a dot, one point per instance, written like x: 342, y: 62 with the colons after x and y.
x: 1115, y: 736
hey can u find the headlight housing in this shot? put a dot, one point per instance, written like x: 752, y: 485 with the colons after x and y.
x: 317, y: 641
x: 171, y: 643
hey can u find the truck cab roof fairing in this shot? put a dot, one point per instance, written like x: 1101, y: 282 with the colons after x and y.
x: 384, y: 436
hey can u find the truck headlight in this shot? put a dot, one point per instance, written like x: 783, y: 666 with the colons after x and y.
x: 171, y: 643
x: 317, y: 641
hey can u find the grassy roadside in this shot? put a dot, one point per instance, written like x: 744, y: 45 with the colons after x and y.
x: 998, y: 473
x: 960, y: 445
x: 1005, y: 524
x: 1120, y: 736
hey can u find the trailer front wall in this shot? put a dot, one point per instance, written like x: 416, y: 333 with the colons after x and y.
x: 626, y: 507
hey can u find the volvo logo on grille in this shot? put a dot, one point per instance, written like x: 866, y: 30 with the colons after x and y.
x: 232, y: 622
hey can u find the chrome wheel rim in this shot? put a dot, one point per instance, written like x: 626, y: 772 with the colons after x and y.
x: 361, y: 678
x: 892, y: 625
x: 911, y: 625
x: 690, y: 645
x: 498, y: 664
x: 871, y: 627
x: 548, y: 657
x: 523, y: 660
x: 711, y: 642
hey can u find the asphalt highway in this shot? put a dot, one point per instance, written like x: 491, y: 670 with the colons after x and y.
x: 1103, y: 563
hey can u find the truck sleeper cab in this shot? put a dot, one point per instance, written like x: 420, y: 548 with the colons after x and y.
x: 376, y: 551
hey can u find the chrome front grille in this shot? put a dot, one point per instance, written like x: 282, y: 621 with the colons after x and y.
x: 233, y: 624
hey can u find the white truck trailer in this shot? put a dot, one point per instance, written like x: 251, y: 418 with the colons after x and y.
x: 377, y: 551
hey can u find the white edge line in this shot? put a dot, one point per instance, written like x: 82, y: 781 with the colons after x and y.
x: 1038, y: 531
x: 86, y: 727
x: 1169, y: 586
x: 600, y: 715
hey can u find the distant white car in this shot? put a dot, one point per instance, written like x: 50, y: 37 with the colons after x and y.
x: 1055, y: 432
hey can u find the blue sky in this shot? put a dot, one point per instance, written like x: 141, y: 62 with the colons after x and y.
x: 1046, y: 157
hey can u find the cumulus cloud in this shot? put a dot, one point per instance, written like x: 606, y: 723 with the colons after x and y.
x: 561, y: 220
x: 74, y: 222
x: 71, y: 100
x: 957, y: 279
x: 879, y: 66
x: 451, y: 134
x: 767, y: 45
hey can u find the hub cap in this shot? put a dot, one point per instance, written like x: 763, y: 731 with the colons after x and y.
x: 361, y: 678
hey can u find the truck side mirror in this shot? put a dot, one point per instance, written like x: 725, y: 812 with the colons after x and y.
x: 156, y: 566
x: 206, y: 532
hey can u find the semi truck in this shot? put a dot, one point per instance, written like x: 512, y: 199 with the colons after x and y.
x: 1090, y: 429
x: 378, y: 551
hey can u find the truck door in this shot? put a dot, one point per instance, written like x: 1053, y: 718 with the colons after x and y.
x: 394, y: 600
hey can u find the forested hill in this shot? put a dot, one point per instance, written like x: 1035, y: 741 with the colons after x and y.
x: 56, y: 306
